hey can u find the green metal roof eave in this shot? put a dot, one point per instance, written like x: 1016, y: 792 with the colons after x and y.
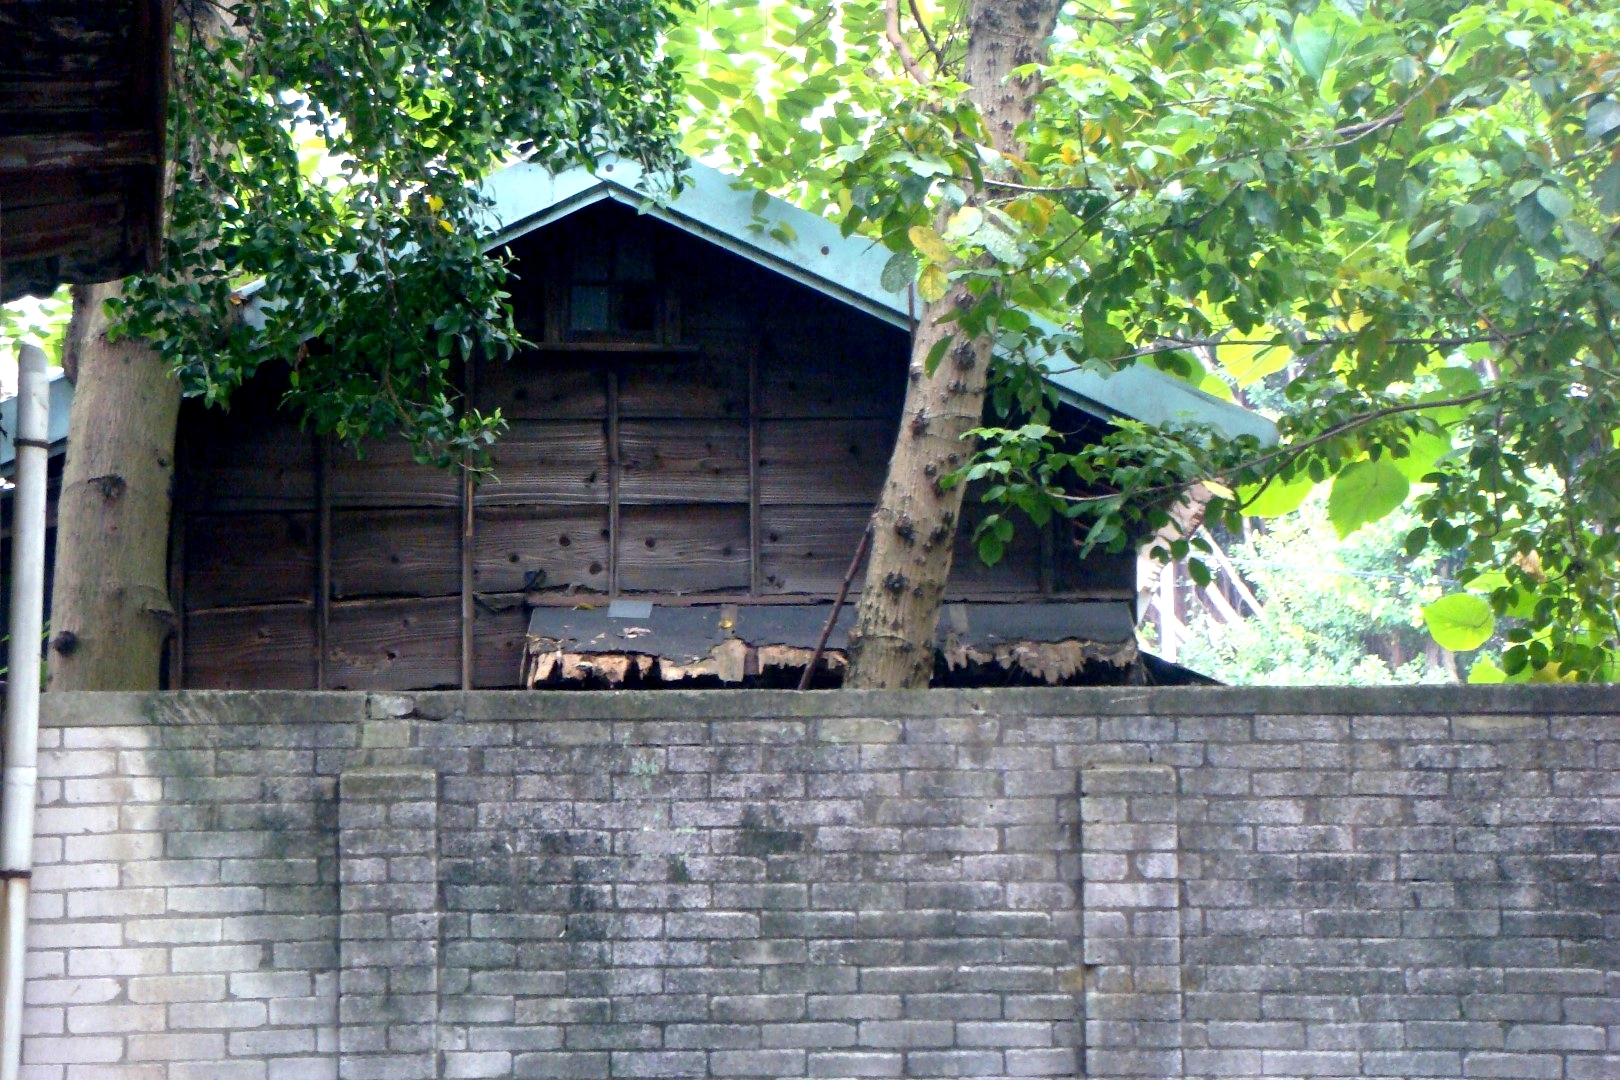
x: 1154, y: 397
x: 813, y: 251
x: 61, y: 394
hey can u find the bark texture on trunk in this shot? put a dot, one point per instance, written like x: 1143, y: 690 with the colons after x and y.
x: 892, y: 643
x: 110, y: 608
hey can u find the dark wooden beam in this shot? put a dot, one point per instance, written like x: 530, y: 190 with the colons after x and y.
x: 79, y: 150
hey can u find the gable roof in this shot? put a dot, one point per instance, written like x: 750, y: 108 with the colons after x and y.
x: 812, y: 251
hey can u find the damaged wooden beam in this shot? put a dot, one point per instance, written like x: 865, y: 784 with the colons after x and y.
x: 636, y: 644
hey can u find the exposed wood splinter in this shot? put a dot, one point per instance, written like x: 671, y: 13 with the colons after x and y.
x: 734, y: 662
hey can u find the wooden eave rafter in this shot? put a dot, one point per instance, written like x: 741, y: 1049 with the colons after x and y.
x: 83, y: 86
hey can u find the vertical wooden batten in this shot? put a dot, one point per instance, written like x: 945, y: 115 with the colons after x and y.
x: 612, y: 377
x: 469, y: 489
x: 177, y: 579
x: 755, y: 582
x: 323, y: 556
x: 1049, y: 557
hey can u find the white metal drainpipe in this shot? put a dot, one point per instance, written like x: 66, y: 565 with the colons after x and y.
x: 18, y: 783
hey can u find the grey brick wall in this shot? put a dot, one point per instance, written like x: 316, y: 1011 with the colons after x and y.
x: 1159, y: 883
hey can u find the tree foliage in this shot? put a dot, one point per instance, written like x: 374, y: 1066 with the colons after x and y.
x: 1332, y: 611
x: 1413, y: 206
x: 38, y: 321
x: 332, y: 148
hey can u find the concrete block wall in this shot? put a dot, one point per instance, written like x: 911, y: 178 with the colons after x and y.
x: 1180, y: 883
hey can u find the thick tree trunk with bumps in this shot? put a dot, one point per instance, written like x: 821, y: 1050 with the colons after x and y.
x: 892, y: 644
x: 110, y: 610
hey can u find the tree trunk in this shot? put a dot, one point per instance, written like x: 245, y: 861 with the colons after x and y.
x: 110, y: 609
x: 892, y: 643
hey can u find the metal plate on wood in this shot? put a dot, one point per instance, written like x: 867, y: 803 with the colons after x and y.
x: 694, y: 630
x: 682, y: 633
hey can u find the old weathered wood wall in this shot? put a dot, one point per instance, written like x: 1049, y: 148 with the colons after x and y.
x: 687, y: 426
x: 82, y: 91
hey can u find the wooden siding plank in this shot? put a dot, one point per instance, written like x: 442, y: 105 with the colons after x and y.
x: 254, y: 468
x: 386, y: 474
x: 683, y: 549
x: 669, y: 461
x: 568, y: 546
x: 255, y: 648
x: 395, y: 644
x: 806, y: 549
x: 236, y: 559
x: 79, y: 150
x: 1099, y: 574
x: 1017, y: 573
x: 710, y: 384
x: 823, y: 461
x: 807, y: 375
x: 500, y: 630
x: 544, y: 385
x: 548, y: 462
x: 379, y: 553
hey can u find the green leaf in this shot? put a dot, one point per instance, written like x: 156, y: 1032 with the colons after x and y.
x: 1607, y: 188
x: 1277, y: 498
x: 1312, y: 46
x: 1458, y: 381
x: 1602, y: 118
x: 899, y: 271
x: 1000, y: 243
x: 932, y: 284
x: 965, y: 222
x: 1460, y: 622
x: 1103, y: 339
x: 1424, y: 449
x: 1365, y: 491
x: 1555, y: 202
x: 1486, y: 673
x: 990, y: 549
x: 929, y: 244
x: 1583, y: 241
x: 1535, y: 221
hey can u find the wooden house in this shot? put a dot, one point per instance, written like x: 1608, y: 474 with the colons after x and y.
x: 82, y: 95
x: 696, y: 441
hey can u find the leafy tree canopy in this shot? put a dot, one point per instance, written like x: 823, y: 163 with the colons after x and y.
x: 331, y: 148
x: 1412, y: 206
x: 1332, y: 611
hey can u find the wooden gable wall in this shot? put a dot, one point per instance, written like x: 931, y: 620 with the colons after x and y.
x: 687, y: 427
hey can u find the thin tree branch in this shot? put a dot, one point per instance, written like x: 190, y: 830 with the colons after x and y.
x: 1177, y: 344
x: 1094, y: 16
x: 928, y: 39
x: 1290, y: 453
x: 898, y: 40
